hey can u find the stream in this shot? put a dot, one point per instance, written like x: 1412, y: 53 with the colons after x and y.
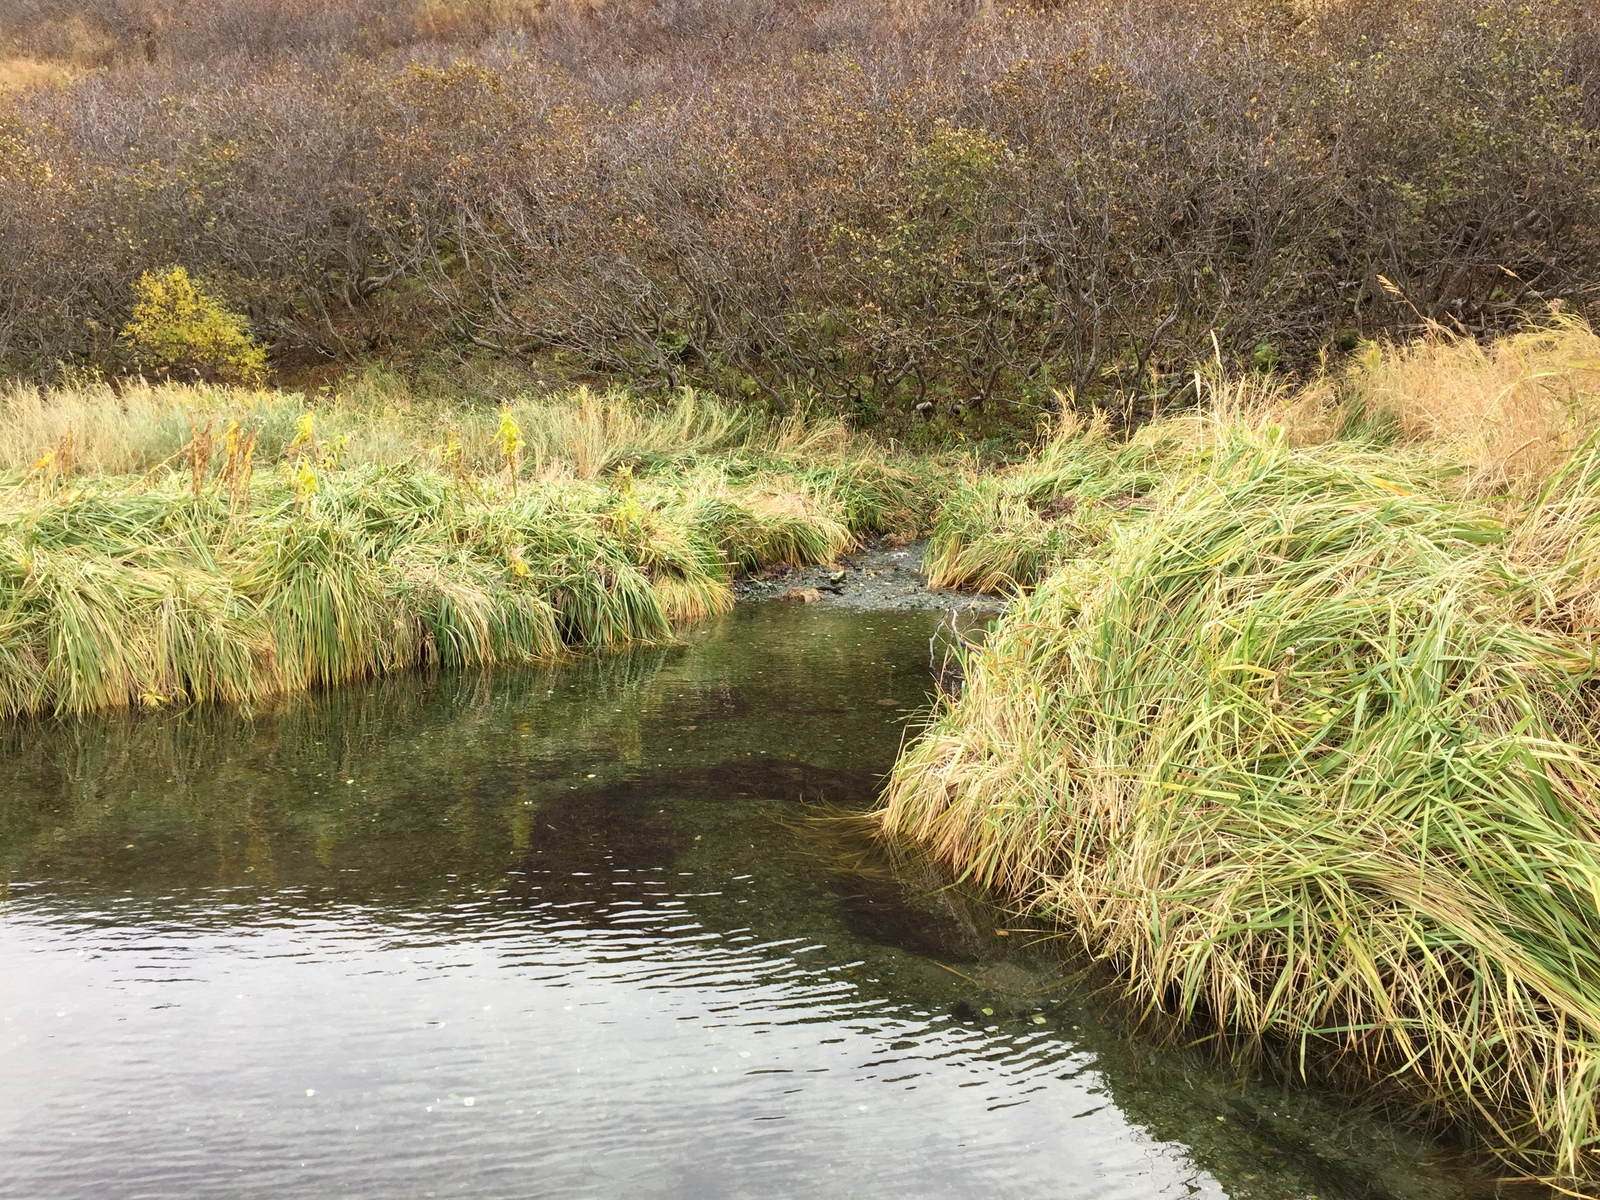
x: 603, y: 930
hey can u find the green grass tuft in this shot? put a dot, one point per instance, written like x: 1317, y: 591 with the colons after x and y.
x: 1294, y: 750
x: 335, y: 551
x: 1002, y: 532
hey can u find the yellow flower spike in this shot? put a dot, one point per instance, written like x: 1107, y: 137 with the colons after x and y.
x: 509, y: 438
x: 304, y: 483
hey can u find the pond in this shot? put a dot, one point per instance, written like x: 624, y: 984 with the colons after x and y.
x: 601, y: 930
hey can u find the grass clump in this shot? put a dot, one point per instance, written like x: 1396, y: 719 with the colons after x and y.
x: 1002, y: 532
x: 1307, y: 749
x: 183, y: 544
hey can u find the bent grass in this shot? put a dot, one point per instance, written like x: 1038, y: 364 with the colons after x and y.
x: 300, y: 550
x: 1306, y: 745
x: 1002, y: 532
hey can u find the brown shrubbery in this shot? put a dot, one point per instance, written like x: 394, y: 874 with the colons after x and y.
x: 878, y: 204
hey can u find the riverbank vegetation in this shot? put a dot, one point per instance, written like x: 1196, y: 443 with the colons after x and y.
x: 168, y: 544
x: 1295, y: 722
x: 1293, y: 718
x: 923, y: 215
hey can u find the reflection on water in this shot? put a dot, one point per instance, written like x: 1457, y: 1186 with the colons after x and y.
x: 572, y: 933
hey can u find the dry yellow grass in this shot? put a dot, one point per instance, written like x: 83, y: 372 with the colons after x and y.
x: 1513, y: 410
x: 137, y: 426
x: 19, y: 74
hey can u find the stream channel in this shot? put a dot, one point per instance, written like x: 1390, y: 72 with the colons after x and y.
x: 592, y: 931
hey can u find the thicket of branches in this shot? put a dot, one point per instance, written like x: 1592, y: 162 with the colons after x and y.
x: 878, y: 203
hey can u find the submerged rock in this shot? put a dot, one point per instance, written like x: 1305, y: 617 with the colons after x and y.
x: 881, y: 575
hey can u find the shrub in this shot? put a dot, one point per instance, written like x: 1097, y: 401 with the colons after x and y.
x: 882, y: 210
x: 176, y: 329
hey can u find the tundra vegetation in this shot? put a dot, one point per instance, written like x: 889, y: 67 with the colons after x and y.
x: 877, y: 204
x: 1294, y: 721
x: 176, y: 544
x: 599, y: 303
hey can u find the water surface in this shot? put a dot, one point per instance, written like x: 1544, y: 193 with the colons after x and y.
x: 575, y: 933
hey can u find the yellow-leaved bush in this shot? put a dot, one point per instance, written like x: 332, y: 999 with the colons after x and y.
x: 178, y: 330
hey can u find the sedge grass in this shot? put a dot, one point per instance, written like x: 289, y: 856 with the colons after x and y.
x: 1001, y: 532
x: 1296, y: 752
x: 179, y: 545
x: 1305, y: 742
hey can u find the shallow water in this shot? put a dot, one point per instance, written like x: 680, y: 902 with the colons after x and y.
x: 574, y: 933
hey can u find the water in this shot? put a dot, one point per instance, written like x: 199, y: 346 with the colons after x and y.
x: 575, y: 933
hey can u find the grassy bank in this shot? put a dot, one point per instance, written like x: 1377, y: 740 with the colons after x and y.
x: 174, y: 545
x: 1298, y: 726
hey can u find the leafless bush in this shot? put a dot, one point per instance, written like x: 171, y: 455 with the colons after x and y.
x: 881, y: 204
x: 103, y: 33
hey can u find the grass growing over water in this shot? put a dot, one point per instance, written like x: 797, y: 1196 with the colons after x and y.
x: 176, y: 545
x: 1303, y: 739
x: 1293, y: 720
